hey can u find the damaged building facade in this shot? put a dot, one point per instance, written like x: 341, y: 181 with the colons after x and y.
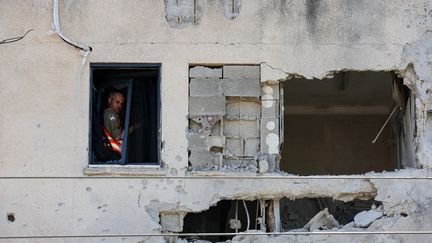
x: 248, y: 121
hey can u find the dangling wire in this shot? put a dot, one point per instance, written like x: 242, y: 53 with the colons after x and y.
x: 14, y: 39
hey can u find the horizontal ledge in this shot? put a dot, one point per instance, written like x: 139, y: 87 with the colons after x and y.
x: 126, y: 170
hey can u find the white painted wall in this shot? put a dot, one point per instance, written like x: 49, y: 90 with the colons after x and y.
x: 44, y: 129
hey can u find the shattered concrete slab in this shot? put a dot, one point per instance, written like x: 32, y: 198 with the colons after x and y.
x: 322, y: 221
x: 365, y: 218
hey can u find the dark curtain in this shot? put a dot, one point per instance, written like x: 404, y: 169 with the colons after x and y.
x: 142, y: 145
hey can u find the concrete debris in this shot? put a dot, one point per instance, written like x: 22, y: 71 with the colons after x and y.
x: 365, y: 218
x: 235, y: 224
x: 172, y: 221
x: 263, y: 166
x: 322, y: 221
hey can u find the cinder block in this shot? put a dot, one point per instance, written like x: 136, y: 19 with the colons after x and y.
x: 241, y: 87
x: 234, y: 147
x: 269, y: 108
x: 199, y: 87
x: 249, y: 110
x: 197, y: 141
x: 214, y: 105
x: 205, y: 72
x: 251, y: 146
x: 270, y: 92
x: 216, y: 129
x: 233, y: 108
x: 239, y: 72
x: 201, y: 160
x: 232, y: 128
x: 249, y: 129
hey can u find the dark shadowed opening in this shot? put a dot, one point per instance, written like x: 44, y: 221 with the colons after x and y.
x: 329, y: 124
x: 140, y: 113
x: 217, y: 220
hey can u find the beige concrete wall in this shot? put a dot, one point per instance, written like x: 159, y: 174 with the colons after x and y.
x: 44, y: 113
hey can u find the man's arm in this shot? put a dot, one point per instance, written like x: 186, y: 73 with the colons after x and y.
x: 112, y: 124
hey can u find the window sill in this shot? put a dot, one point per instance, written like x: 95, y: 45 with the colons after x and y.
x: 125, y: 170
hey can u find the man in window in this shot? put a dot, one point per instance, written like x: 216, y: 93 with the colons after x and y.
x: 112, y: 124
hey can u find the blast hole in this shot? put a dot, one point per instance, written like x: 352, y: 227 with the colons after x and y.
x: 11, y: 217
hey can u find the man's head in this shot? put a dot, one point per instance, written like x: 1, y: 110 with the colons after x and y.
x: 115, y: 101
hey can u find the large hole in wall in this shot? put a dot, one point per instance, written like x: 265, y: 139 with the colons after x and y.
x: 227, y: 216
x: 297, y: 214
x: 330, y: 124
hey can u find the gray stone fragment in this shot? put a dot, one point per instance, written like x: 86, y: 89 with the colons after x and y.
x: 242, y: 87
x: 232, y: 128
x: 171, y: 221
x: 251, y: 146
x: 234, y: 147
x: 241, y: 72
x: 202, y: 87
x: 249, y: 128
x: 201, y: 159
x: 197, y: 141
x: 214, y: 105
x: 205, y: 72
x: 365, y: 218
x: 322, y: 220
x: 263, y: 166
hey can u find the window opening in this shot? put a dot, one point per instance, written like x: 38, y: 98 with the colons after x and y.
x: 338, y: 118
x: 135, y: 138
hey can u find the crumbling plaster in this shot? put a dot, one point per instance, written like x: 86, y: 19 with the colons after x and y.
x: 44, y: 134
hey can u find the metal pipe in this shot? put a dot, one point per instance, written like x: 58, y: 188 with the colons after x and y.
x: 56, y: 27
x: 247, y: 215
x: 385, y: 123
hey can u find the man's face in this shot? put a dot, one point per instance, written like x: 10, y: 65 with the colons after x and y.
x: 115, y: 102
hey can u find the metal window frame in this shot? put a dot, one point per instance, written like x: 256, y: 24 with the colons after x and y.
x: 158, y: 66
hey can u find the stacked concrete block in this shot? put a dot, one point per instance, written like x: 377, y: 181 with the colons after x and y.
x: 206, y: 109
x: 212, y: 105
x: 205, y: 72
x: 244, y: 87
x: 244, y: 109
x: 233, y: 93
x: 241, y: 72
